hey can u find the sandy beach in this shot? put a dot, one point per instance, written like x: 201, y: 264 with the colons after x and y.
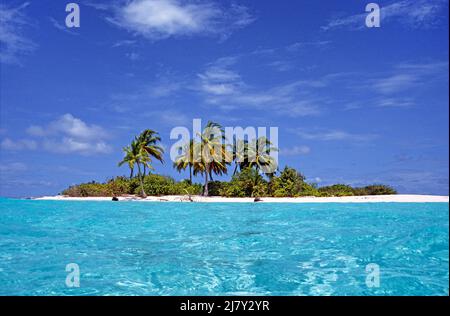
x: 402, y: 198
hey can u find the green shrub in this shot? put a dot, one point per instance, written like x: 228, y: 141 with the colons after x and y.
x: 260, y: 190
x: 155, y: 184
x: 88, y: 189
x: 119, y: 185
x: 280, y: 193
x: 214, y: 188
x: 375, y: 189
x: 308, y: 190
x: 231, y: 189
x: 336, y: 190
x: 185, y: 187
x: 247, y: 183
x: 289, y: 183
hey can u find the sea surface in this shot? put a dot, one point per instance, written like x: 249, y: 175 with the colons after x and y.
x: 140, y: 248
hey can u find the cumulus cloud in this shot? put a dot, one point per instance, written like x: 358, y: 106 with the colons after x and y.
x: 68, y: 145
x: 160, y: 19
x: 13, y: 43
x: 71, y: 126
x: 69, y: 134
x: 65, y: 135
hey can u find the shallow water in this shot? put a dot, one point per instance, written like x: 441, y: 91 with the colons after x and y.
x: 139, y: 248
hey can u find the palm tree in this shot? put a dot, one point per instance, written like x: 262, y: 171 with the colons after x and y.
x: 259, y: 155
x: 240, y: 154
x: 135, y: 156
x: 140, y: 152
x: 130, y: 159
x: 186, y: 158
x: 214, y: 156
x: 148, y: 140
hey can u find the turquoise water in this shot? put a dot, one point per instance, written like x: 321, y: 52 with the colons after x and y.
x: 135, y: 248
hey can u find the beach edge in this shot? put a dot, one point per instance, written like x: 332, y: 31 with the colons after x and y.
x: 399, y: 198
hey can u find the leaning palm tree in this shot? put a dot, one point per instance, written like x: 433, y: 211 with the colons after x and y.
x: 130, y: 159
x: 134, y: 155
x: 186, y: 158
x: 140, y: 153
x: 214, y: 156
x: 148, y: 141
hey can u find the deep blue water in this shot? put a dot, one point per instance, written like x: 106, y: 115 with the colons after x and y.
x: 135, y: 248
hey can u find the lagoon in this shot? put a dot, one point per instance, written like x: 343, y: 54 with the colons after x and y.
x: 133, y: 248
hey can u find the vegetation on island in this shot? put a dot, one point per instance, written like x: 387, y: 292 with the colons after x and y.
x: 254, y: 171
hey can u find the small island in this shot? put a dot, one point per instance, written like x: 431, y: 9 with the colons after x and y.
x: 253, y: 178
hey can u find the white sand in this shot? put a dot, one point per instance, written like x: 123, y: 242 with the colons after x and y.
x: 347, y: 199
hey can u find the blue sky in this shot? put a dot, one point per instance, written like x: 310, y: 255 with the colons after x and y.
x: 353, y: 104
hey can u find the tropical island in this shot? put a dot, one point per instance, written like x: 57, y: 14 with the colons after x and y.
x: 253, y: 175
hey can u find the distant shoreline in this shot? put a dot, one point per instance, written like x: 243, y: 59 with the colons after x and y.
x: 398, y: 198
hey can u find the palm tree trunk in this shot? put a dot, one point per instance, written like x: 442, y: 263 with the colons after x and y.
x: 205, y: 187
x: 235, y: 169
x: 190, y: 173
x: 131, y: 173
x: 141, y: 182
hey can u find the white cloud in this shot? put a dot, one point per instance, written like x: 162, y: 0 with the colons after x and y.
x: 13, y: 43
x: 396, y: 83
x: 225, y: 88
x: 124, y: 43
x: 62, y: 27
x: 400, y: 86
x: 160, y: 19
x: 68, y: 145
x: 164, y: 88
x: 409, y: 76
x: 282, y: 65
x: 71, y: 126
x: 69, y: 134
x: 295, y: 151
x: 22, y: 144
x: 334, y: 135
x: 220, y: 81
x: 411, y: 13
x: 307, y: 45
x: 394, y: 103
